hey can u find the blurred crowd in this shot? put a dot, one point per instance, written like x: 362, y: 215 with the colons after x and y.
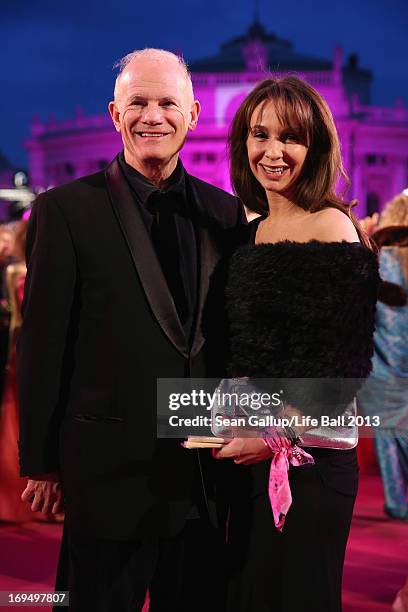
x: 386, y: 392
x: 12, y: 277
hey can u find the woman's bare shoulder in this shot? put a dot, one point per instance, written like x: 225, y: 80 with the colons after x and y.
x: 333, y: 225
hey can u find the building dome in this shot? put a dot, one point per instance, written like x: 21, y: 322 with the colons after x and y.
x: 280, y: 55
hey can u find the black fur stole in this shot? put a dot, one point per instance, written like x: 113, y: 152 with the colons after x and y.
x: 301, y: 310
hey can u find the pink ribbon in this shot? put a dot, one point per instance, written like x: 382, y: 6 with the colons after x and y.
x: 284, y: 452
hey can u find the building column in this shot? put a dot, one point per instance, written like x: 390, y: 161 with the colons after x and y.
x: 400, y: 181
x: 358, y: 188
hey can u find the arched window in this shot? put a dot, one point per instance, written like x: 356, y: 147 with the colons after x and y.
x: 233, y: 106
x: 372, y: 203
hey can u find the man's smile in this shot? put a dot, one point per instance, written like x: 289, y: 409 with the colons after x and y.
x: 152, y: 134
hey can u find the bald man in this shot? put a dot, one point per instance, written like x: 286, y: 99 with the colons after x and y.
x: 119, y: 267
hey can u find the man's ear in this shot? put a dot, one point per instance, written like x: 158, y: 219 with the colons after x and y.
x: 114, y: 113
x: 194, y: 114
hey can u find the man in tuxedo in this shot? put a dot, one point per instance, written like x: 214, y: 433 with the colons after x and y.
x: 119, y: 269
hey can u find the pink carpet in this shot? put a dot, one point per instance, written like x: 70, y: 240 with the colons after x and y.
x: 376, y: 561
x: 377, y: 554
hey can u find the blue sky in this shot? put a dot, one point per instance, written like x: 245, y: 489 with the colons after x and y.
x: 56, y: 56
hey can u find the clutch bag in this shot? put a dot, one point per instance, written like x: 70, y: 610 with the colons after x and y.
x: 342, y: 436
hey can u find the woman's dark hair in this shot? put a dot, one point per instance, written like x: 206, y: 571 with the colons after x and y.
x: 301, y: 108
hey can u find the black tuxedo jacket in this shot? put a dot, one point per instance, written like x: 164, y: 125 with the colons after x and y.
x: 99, y: 328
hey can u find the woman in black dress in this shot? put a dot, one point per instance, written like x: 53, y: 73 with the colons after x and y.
x: 301, y: 299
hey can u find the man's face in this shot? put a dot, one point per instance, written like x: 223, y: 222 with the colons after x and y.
x: 153, y: 110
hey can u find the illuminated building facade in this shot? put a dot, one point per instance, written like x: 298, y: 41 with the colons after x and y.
x: 374, y: 139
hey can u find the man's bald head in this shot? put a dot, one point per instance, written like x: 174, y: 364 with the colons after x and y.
x: 175, y: 62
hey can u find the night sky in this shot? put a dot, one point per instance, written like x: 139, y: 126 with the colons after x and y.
x: 57, y: 55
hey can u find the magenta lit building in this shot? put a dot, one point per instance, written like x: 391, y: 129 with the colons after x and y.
x: 374, y: 140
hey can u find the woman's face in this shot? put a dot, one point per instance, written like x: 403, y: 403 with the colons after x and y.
x: 276, y: 153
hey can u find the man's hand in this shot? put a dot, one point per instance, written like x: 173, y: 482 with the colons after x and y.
x: 43, y: 492
x: 244, y: 451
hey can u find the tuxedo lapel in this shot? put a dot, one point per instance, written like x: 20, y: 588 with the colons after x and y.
x: 208, y: 257
x: 144, y: 257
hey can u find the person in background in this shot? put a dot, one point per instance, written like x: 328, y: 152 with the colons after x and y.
x: 12, y: 508
x: 386, y: 393
x: 6, y: 256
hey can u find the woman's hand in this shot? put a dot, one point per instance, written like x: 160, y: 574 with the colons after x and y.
x: 244, y: 451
